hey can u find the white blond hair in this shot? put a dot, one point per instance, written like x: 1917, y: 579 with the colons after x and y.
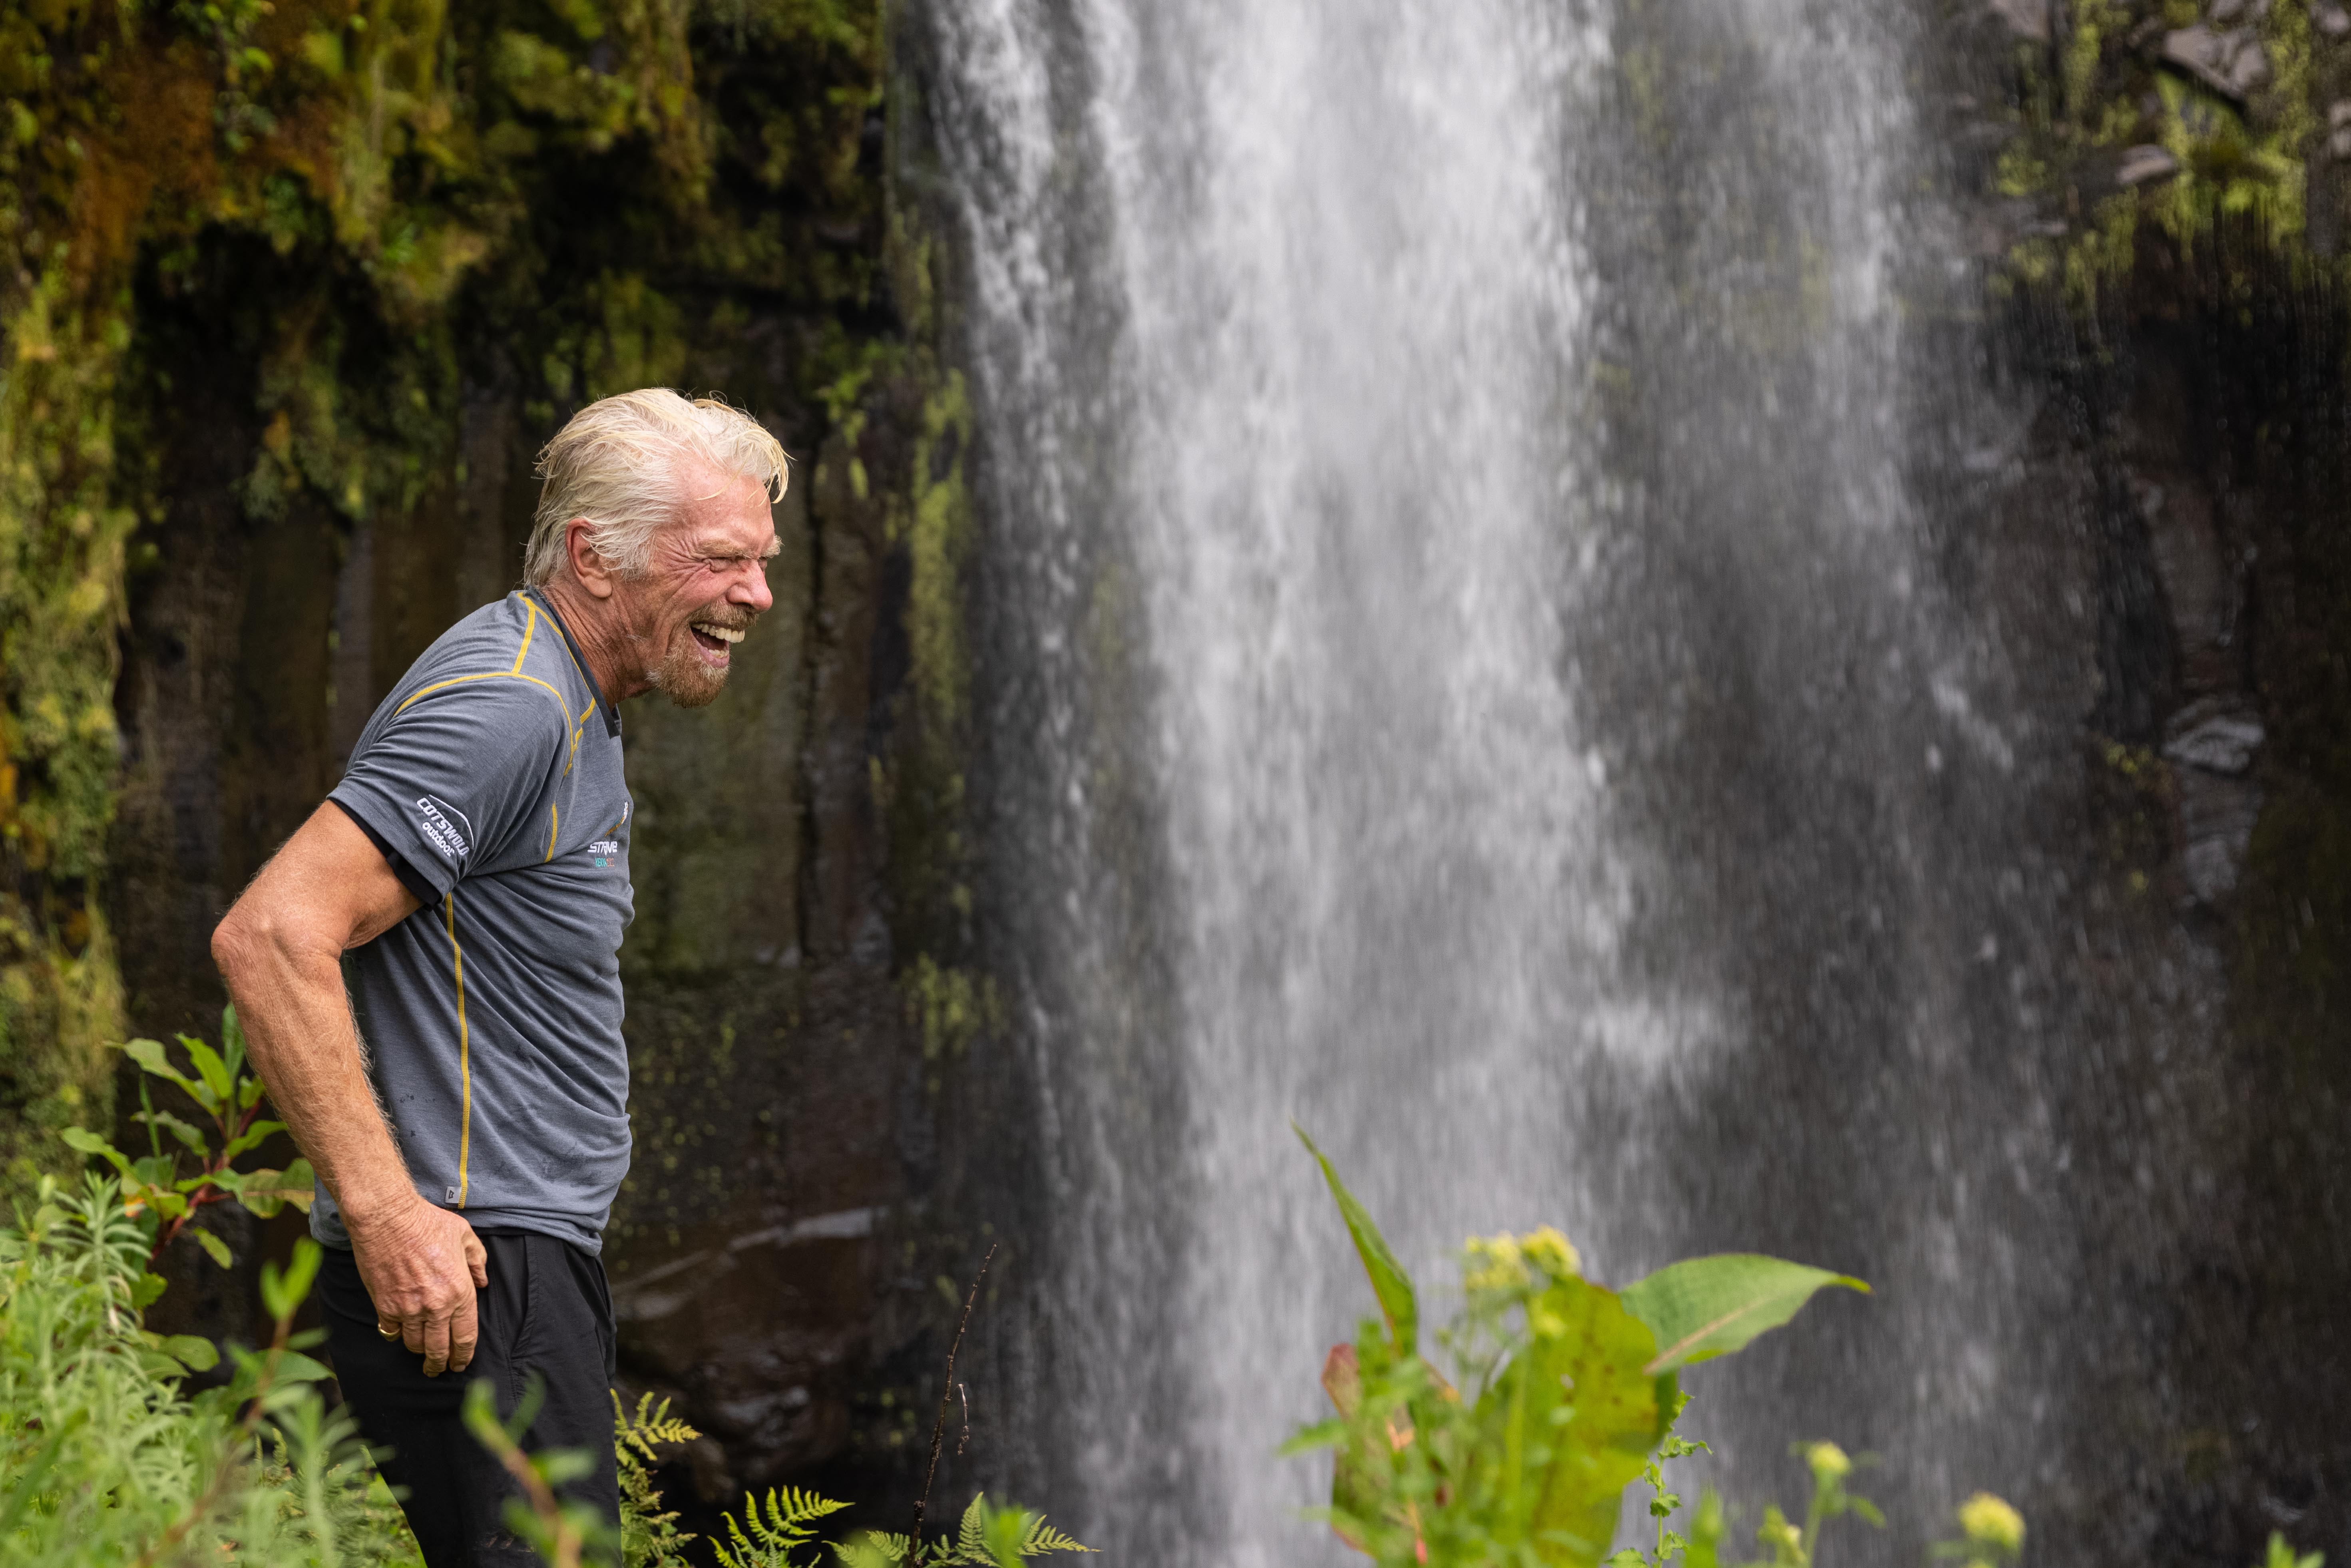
x: 620, y: 463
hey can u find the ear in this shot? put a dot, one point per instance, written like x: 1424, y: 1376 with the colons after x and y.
x: 593, y: 571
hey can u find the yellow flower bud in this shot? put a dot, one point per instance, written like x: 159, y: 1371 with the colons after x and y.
x: 1494, y: 1264
x: 1989, y: 1522
x: 1828, y: 1462
x: 1552, y: 1253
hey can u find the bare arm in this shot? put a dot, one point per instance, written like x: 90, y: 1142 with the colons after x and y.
x: 280, y: 949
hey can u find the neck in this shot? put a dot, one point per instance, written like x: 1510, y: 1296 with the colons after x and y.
x: 597, y: 627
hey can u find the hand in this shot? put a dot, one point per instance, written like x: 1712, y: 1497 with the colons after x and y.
x: 422, y: 1266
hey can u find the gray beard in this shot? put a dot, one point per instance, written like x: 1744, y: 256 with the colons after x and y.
x: 681, y: 676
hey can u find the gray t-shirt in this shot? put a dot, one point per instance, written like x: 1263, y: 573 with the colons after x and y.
x: 491, y: 781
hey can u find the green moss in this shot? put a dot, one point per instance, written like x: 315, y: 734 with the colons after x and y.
x: 937, y: 530
x: 2243, y: 166
x: 950, y: 1006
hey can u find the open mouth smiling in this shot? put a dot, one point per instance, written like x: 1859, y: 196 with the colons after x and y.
x: 715, y: 640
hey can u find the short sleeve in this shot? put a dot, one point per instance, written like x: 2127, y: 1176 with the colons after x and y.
x: 448, y: 779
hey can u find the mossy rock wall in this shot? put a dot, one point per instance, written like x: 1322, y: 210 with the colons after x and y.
x: 294, y: 294
x: 2159, y: 190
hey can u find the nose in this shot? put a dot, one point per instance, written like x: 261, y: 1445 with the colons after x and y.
x: 750, y: 589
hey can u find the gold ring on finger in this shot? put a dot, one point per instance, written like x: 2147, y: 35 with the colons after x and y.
x: 391, y: 1332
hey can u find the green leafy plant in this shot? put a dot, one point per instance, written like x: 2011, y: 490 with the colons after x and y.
x: 1573, y: 1394
x: 105, y: 1460
x: 650, y: 1537
x: 1991, y: 1533
x: 765, y: 1538
x: 229, y: 1095
x: 1792, y: 1546
x: 1663, y: 1504
x: 988, y: 1537
x: 2282, y: 1556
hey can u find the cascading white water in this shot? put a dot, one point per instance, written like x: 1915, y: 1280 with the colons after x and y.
x: 1403, y: 434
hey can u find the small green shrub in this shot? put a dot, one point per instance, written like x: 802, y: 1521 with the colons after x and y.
x: 650, y: 1537
x: 105, y: 1460
x: 1575, y: 1395
x: 1572, y: 1394
x: 988, y: 1537
x: 228, y: 1094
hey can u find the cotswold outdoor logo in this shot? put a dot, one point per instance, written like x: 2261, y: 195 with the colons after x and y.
x: 439, y: 822
x: 605, y: 850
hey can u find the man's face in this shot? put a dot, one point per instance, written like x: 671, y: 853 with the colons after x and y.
x: 703, y: 586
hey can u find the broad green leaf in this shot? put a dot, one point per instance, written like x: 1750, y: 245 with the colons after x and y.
x: 211, y: 1244
x: 192, y: 1351
x: 215, y: 1072
x: 264, y: 1192
x: 252, y: 1137
x: 1569, y: 1422
x: 1390, y: 1283
x: 232, y: 1045
x: 169, y: 1205
x: 281, y: 1293
x: 1705, y: 1307
x: 164, y: 1121
x: 1311, y: 1439
x: 1007, y: 1530
x: 156, y: 1364
x: 149, y: 1286
x: 153, y: 1170
x: 151, y: 1058
x: 89, y: 1143
x: 299, y: 1186
x: 249, y: 1093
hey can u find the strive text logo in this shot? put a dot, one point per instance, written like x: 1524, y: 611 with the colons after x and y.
x: 605, y: 850
x: 439, y: 822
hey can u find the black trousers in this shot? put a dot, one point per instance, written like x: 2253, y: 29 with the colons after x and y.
x: 546, y: 1311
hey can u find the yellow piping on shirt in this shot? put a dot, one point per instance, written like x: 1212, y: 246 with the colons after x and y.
x: 576, y: 727
x: 554, y: 825
x: 527, y: 628
x: 513, y: 674
x: 464, y: 1050
x: 485, y: 675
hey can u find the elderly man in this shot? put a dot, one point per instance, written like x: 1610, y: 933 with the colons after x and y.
x: 464, y: 1104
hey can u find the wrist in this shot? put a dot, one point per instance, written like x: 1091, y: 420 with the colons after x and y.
x: 377, y: 1210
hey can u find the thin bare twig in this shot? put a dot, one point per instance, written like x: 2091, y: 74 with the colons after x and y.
x: 947, y: 1393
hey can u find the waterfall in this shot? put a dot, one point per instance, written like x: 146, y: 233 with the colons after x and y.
x: 1468, y: 484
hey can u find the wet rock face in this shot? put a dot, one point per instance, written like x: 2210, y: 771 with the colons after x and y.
x: 2192, y: 437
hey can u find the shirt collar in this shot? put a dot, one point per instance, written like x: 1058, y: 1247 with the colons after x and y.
x: 612, y: 715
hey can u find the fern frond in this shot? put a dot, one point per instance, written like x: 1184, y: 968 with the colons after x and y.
x: 971, y: 1537
x: 649, y: 1428
x: 877, y: 1549
x: 765, y: 1541
x: 972, y: 1547
x: 1043, y: 1538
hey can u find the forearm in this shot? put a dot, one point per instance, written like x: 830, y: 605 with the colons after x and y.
x: 298, y: 1025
